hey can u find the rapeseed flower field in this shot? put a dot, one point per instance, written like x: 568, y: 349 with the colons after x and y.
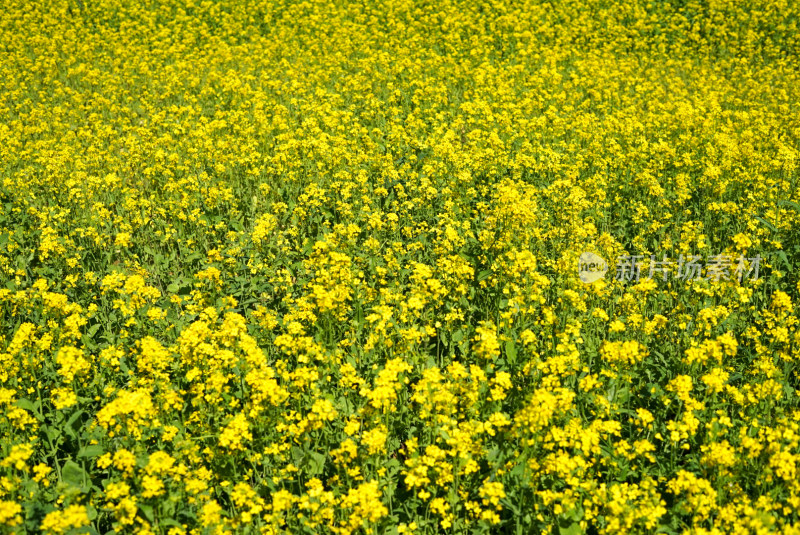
x: 313, y: 267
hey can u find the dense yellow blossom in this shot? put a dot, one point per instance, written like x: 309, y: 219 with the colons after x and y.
x: 271, y: 266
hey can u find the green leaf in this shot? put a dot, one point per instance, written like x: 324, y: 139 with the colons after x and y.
x: 572, y: 529
x: 316, y: 462
x: 74, y: 423
x: 297, y: 454
x: 766, y: 223
x: 392, y: 466
x: 92, y: 450
x: 148, y: 511
x: 790, y: 204
x: 509, y: 504
x: 73, y: 475
x: 782, y: 256
x: 92, y: 330
x: 28, y: 405
x: 83, y: 530
x: 511, y: 351
x: 53, y: 433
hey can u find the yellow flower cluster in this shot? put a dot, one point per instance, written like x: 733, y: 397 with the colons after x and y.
x: 277, y: 267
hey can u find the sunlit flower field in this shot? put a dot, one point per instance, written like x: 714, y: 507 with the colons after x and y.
x: 274, y: 267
